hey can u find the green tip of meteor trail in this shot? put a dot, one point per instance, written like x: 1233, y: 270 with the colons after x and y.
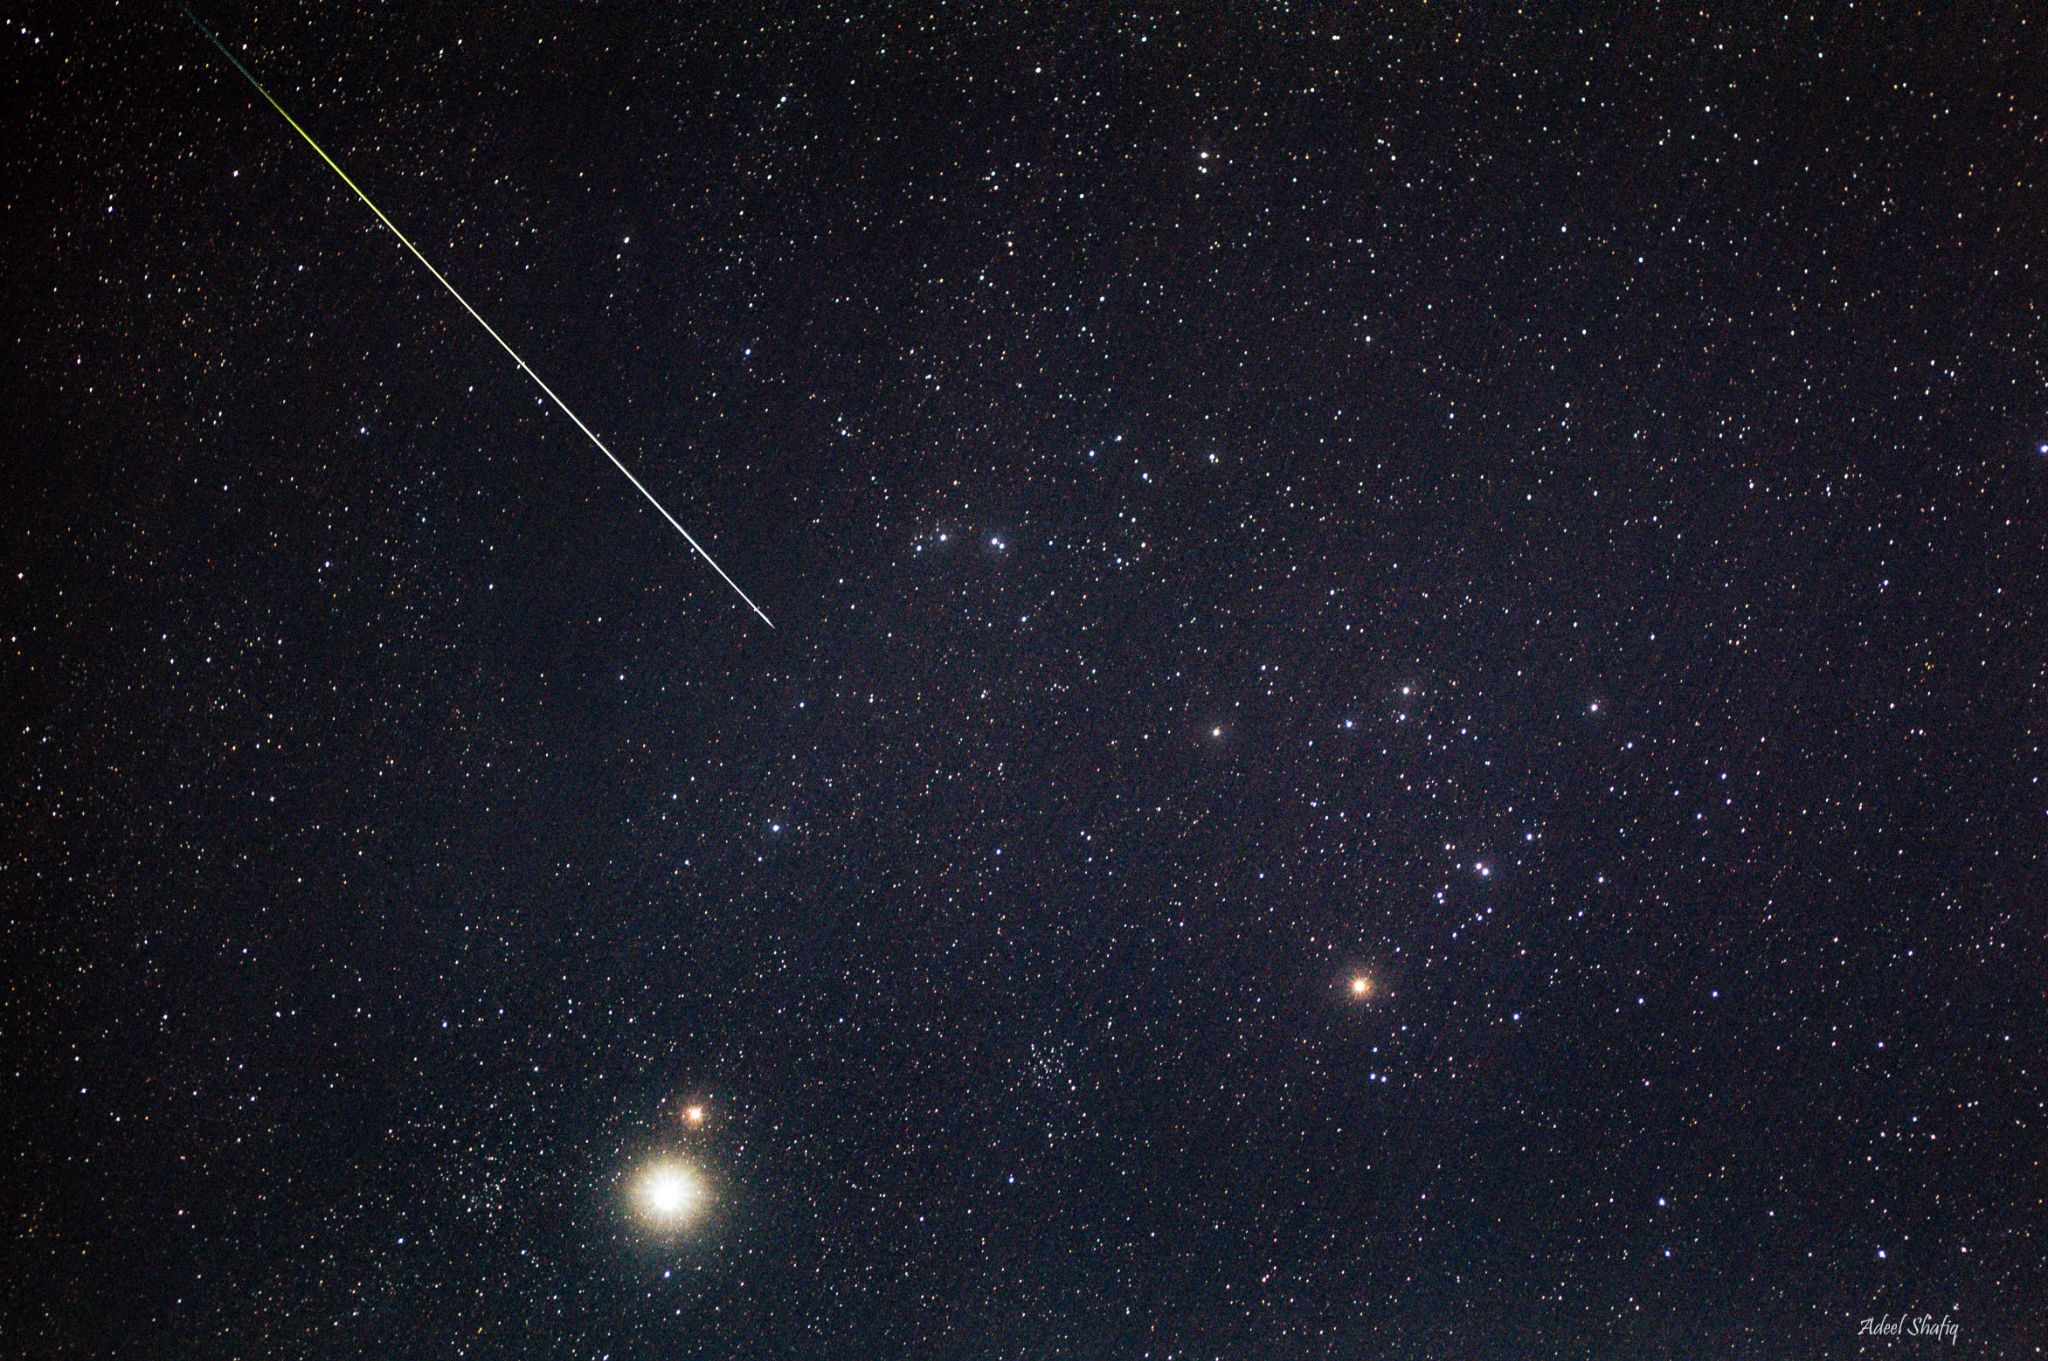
x: 442, y: 279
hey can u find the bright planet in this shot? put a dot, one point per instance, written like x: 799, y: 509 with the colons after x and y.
x: 668, y: 1195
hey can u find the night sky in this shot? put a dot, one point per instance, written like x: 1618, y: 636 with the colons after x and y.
x: 1406, y: 717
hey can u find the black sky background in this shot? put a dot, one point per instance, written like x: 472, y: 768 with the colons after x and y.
x: 1222, y: 476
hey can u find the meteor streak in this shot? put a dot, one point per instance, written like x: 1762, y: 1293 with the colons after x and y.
x: 442, y: 279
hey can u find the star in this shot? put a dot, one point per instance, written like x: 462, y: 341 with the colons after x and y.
x: 1362, y: 987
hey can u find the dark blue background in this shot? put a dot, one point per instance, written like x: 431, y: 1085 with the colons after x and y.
x: 1221, y: 476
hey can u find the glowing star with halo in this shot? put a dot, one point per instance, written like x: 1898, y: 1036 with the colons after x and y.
x: 1362, y: 987
x: 668, y: 1195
